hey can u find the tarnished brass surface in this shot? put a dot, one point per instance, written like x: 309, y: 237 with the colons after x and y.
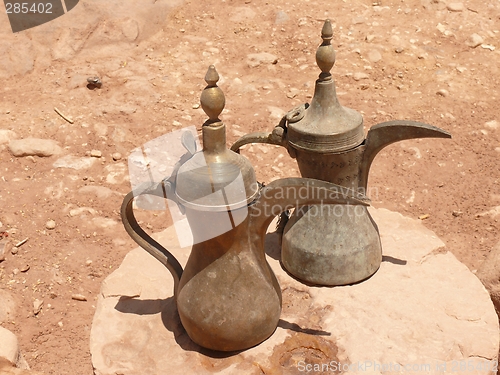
x: 333, y: 245
x: 228, y: 298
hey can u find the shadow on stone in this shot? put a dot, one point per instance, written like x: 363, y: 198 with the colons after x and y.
x: 296, y: 328
x: 399, y: 262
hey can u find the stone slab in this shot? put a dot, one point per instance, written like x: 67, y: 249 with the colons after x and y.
x: 423, y: 311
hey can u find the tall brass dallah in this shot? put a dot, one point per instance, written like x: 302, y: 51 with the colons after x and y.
x: 227, y: 296
x: 333, y: 244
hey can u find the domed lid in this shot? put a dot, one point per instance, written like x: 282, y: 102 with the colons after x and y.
x: 326, y: 126
x: 215, y: 179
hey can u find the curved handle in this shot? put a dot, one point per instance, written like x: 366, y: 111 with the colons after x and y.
x: 142, y: 238
x: 276, y: 137
x: 385, y: 133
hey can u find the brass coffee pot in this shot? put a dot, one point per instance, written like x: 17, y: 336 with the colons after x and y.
x: 333, y: 244
x: 228, y: 298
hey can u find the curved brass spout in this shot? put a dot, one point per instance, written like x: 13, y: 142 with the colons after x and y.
x: 385, y: 133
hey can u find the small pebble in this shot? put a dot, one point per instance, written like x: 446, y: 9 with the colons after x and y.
x: 442, y: 92
x: 88, y: 262
x: 457, y: 213
x: 399, y: 49
x: 455, y: 7
x: 60, y: 324
x: 423, y: 217
x: 95, y: 153
x: 78, y: 297
x: 14, y: 250
x: 196, y: 106
x: 474, y: 40
x: 25, y: 268
x: 37, y: 306
x: 117, y: 156
x: 51, y: 224
x: 359, y: 76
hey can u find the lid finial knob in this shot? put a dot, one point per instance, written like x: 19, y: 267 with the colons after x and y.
x: 212, y: 98
x: 325, y: 55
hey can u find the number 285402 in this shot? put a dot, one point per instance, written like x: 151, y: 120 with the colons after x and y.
x: 25, y: 8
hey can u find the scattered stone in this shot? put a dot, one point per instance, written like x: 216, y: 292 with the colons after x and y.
x: 130, y: 29
x: 51, y: 224
x: 358, y: 20
x: 374, y: 56
x: 3, y: 250
x: 176, y: 123
x: 10, y: 347
x: 34, y: 147
x: 461, y: 69
x: 455, y: 7
x: 74, y: 162
x: 474, y: 40
x: 494, y: 124
x: 116, y: 156
x: 197, y: 105
x: 78, y: 297
x: 256, y: 59
x: 6, y: 136
x: 488, y: 46
x: 423, y: 217
x: 14, y: 250
x: 37, y: 306
x: 24, y: 268
x: 399, y: 49
x: 242, y: 14
x: 281, y: 17
x: 292, y: 93
x: 441, y: 28
x: 442, y: 92
x: 457, y: 213
x: 94, y: 82
x: 370, y: 38
x: 95, y: 153
x: 100, y: 192
x: 88, y: 262
x: 358, y: 76
x: 275, y: 112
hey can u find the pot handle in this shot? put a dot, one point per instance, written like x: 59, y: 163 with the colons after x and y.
x: 141, y: 237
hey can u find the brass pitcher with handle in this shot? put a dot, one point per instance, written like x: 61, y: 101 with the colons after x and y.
x: 228, y: 298
x: 333, y: 244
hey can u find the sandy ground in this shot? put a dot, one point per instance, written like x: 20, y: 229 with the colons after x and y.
x: 417, y: 63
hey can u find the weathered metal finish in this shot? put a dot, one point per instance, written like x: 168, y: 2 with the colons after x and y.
x: 227, y: 296
x: 333, y: 244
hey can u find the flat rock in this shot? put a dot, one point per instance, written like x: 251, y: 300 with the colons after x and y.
x: 6, y: 136
x: 374, y: 56
x: 74, y: 162
x: 9, y: 348
x: 100, y: 192
x: 422, y: 308
x: 256, y: 59
x: 455, y: 7
x: 474, y: 40
x: 34, y: 147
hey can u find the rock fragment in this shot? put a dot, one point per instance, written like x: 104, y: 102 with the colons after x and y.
x: 37, y: 306
x: 74, y: 162
x: 256, y: 59
x: 455, y: 7
x: 95, y: 153
x: 474, y: 40
x: 34, y: 147
x: 10, y: 346
x: 79, y: 297
x: 51, y: 224
x: 359, y: 76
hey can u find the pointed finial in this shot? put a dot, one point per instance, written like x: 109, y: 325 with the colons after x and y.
x: 325, y: 55
x: 212, y: 98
